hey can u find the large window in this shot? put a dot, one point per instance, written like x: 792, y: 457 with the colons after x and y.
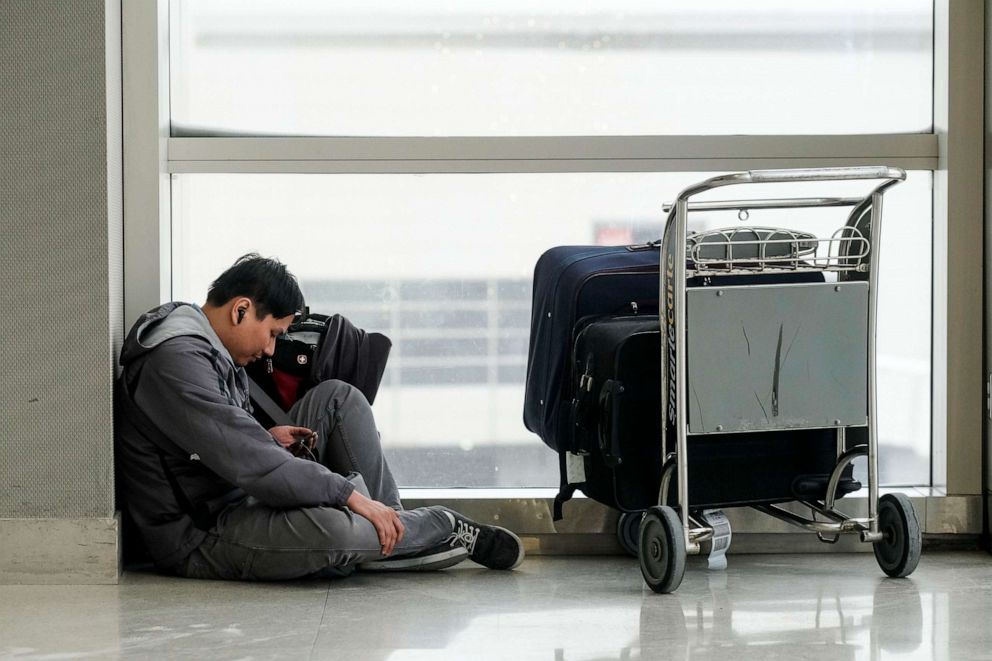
x: 559, y: 67
x: 443, y: 263
x: 433, y: 241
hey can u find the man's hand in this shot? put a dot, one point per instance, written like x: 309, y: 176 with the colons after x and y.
x: 287, y: 436
x: 385, y: 519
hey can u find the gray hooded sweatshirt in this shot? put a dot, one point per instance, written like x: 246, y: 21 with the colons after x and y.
x: 187, y: 445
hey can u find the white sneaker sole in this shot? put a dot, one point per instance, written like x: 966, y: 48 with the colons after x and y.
x: 432, y: 562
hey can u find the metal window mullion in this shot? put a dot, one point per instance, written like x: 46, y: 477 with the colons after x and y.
x: 147, y: 186
x: 374, y: 155
x: 729, y: 164
x: 378, y: 148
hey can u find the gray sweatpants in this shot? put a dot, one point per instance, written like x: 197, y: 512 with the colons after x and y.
x: 252, y: 541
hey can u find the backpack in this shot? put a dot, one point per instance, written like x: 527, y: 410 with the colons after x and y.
x: 314, y: 349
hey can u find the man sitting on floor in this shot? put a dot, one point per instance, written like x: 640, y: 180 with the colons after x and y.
x: 216, y: 495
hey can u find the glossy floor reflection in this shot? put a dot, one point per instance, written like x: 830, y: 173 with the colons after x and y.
x: 555, y: 609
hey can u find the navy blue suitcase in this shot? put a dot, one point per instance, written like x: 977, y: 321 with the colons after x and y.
x: 572, y: 282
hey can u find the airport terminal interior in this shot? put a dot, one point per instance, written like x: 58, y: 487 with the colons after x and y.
x: 776, y: 447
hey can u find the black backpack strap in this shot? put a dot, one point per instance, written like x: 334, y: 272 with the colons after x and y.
x: 565, y: 490
x: 261, y: 398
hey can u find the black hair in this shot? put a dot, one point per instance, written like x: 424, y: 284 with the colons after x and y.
x: 267, y: 282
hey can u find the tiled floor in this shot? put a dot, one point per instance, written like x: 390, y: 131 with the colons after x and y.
x: 835, y: 606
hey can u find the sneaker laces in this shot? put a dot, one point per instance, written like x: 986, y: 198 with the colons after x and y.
x: 465, y: 535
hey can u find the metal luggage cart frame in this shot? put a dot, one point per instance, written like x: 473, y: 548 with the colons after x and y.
x: 665, y: 536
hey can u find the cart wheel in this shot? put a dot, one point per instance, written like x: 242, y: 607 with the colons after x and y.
x: 898, y: 552
x: 661, y: 549
x: 628, y: 528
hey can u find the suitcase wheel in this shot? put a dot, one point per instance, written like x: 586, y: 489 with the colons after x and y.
x: 898, y: 552
x: 661, y: 549
x: 628, y: 529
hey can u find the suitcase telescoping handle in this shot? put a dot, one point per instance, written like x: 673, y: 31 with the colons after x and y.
x: 609, y: 423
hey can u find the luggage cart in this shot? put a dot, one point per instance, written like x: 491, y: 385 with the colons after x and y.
x: 772, y: 358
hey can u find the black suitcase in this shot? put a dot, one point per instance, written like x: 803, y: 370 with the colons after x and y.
x: 616, y: 417
x: 615, y: 411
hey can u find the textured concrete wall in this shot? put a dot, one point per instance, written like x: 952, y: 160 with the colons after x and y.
x: 61, y: 293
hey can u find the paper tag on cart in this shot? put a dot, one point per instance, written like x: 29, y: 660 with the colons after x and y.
x: 717, y: 520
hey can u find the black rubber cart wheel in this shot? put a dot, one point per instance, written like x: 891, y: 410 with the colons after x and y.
x: 898, y: 552
x: 661, y: 549
x: 628, y: 530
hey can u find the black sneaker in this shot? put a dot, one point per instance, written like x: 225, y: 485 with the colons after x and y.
x: 490, y: 546
x: 441, y: 556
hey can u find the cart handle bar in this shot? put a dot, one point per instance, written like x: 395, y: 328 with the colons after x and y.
x: 828, y: 174
x: 787, y: 203
x: 890, y: 174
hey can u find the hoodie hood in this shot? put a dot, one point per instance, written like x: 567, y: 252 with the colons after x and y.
x: 166, y: 322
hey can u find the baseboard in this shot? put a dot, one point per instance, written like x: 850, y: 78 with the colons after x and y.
x: 589, y: 528
x: 987, y: 533
x: 60, y: 551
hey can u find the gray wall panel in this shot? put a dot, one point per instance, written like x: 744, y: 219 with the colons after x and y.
x: 56, y: 456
